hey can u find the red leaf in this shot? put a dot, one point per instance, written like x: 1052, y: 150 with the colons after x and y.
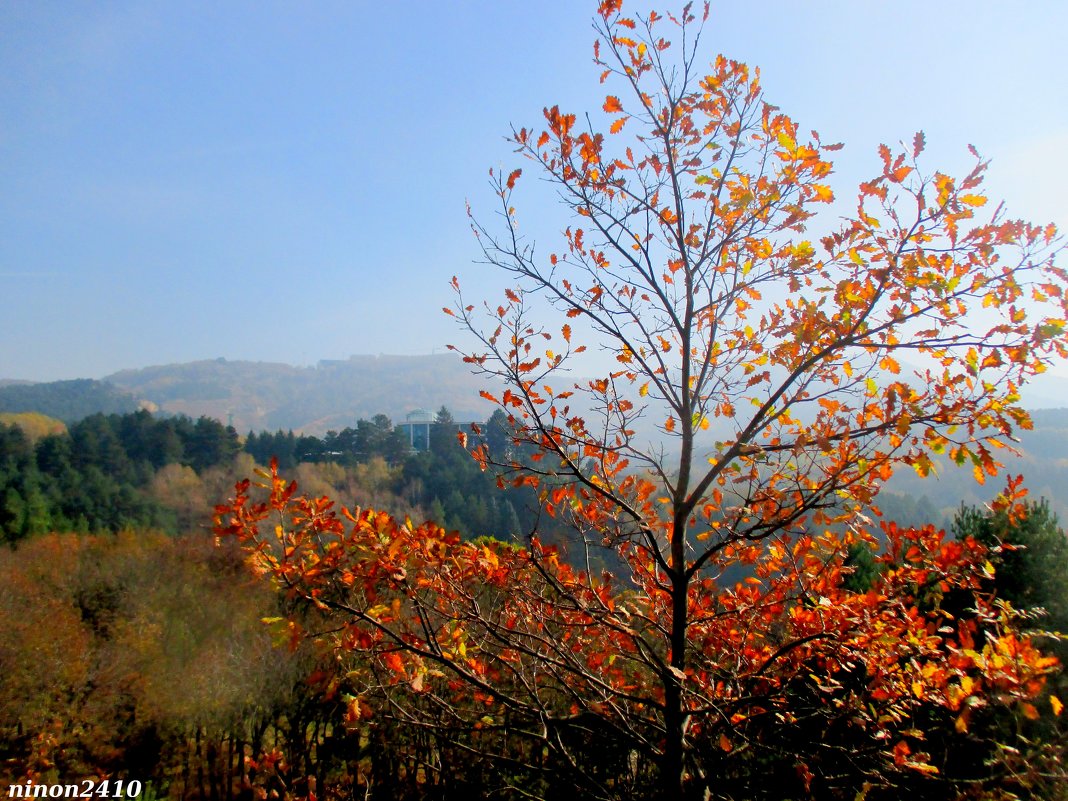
x: 394, y: 662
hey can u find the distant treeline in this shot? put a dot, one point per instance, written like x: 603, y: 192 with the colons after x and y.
x: 370, y: 438
x: 96, y: 476
x: 136, y: 470
x: 444, y: 481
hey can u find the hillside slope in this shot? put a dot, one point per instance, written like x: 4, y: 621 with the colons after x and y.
x: 66, y: 400
x: 332, y: 395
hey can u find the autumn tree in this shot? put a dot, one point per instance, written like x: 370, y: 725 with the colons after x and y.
x: 791, y: 378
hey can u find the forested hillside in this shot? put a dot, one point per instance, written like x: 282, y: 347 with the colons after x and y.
x: 1043, y: 462
x: 333, y: 395
x: 107, y: 473
x: 157, y: 662
x: 110, y: 472
x: 66, y: 400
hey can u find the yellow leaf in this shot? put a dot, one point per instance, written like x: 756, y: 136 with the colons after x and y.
x: 1055, y: 702
x: 973, y: 200
x: 644, y: 390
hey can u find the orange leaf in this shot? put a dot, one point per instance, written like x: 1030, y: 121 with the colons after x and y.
x: 617, y: 126
x: 566, y: 331
x: 512, y: 177
x: 612, y: 104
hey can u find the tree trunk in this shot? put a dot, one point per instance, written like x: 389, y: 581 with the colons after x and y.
x: 672, y: 771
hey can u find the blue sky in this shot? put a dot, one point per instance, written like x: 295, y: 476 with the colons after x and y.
x: 285, y: 181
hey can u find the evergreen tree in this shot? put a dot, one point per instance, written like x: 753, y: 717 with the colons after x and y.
x: 1031, y: 570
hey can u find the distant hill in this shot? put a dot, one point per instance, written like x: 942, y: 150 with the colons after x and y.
x: 66, y: 400
x: 258, y: 396
x: 33, y: 424
x: 1043, y: 462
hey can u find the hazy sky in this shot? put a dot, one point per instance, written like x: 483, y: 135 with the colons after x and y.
x: 286, y: 181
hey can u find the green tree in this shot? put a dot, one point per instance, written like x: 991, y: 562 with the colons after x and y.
x: 12, y: 515
x: 1031, y: 566
x: 54, y: 455
x: 210, y: 443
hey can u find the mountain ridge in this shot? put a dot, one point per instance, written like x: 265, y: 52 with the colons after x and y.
x: 332, y: 394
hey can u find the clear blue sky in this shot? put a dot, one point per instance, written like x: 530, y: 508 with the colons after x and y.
x: 286, y: 181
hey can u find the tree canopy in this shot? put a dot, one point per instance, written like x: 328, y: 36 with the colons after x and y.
x: 793, y: 377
